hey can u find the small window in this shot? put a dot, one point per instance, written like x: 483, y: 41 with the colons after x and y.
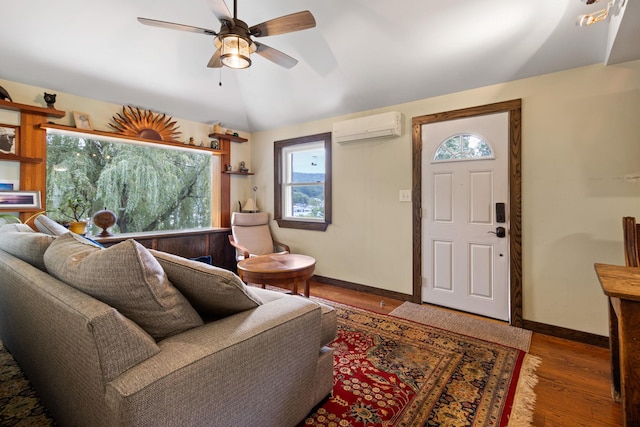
x: 463, y: 146
x: 303, y: 182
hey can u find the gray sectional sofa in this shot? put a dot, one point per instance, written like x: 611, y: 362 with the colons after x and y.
x: 126, y: 336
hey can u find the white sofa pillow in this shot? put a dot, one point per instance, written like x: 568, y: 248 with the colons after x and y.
x: 125, y: 276
x: 48, y: 226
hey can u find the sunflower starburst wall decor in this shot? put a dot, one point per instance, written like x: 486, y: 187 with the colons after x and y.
x: 145, y: 124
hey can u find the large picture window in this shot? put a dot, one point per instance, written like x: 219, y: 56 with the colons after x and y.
x: 149, y: 187
x: 303, y: 182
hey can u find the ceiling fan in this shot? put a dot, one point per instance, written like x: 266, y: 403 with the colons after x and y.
x: 234, y: 41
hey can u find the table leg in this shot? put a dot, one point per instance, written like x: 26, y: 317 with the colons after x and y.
x: 614, y: 347
x: 306, y: 288
x: 629, y: 337
x: 295, y: 287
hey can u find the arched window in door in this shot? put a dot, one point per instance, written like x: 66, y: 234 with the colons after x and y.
x: 463, y: 146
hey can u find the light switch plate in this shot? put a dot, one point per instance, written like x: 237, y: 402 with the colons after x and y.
x: 405, y: 195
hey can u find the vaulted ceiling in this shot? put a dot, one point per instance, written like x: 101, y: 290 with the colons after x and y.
x: 362, y: 54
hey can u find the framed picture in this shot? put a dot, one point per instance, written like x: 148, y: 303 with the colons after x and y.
x: 9, y: 185
x: 19, y: 199
x: 82, y: 120
x: 8, y: 138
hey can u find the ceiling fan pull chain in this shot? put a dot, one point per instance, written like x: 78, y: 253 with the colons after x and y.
x: 220, y: 79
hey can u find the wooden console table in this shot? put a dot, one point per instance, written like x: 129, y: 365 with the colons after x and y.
x: 186, y: 243
x: 622, y: 286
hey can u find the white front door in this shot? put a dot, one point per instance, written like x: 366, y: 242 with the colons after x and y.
x: 465, y: 263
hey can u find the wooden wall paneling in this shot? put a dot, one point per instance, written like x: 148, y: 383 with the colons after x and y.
x: 221, y: 250
x: 225, y: 183
x: 186, y: 246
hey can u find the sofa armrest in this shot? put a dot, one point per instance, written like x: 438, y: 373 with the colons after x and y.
x: 252, y: 368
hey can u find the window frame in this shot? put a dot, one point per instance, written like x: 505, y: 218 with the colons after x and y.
x: 214, y: 210
x: 279, y: 188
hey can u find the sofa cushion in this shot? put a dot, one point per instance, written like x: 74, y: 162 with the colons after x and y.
x: 48, y: 226
x: 125, y: 276
x: 22, y: 242
x: 213, y: 291
x: 329, y: 325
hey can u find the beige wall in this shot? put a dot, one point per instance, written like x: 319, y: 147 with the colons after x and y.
x: 580, y: 137
x: 100, y: 112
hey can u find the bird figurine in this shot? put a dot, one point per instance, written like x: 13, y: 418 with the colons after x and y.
x: 4, y: 94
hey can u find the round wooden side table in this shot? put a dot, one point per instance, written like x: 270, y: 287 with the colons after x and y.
x: 277, y: 269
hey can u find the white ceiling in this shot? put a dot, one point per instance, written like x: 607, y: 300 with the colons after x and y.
x: 363, y: 54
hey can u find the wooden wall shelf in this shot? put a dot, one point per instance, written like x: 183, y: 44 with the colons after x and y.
x: 33, y: 126
x: 3, y: 210
x: 31, y: 155
x: 31, y: 109
x: 237, y: 173
x: 117, y: 135
x: 229, y: 137
x: 14, y: 158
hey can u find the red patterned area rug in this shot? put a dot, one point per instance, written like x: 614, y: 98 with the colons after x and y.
x: 388, y: 372
x: 395, y: 372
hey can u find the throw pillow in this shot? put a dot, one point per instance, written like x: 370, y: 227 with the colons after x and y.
x: 48, y: 226
x: 213, y: 291
x: 125, y: 276
x: 16, y: 227
x: 204, y: 258
x: 22, y: 242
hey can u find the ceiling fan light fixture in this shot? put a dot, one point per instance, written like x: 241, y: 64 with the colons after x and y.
x: 592, y: 18
x: 613, y: 8
x: 235, y: 51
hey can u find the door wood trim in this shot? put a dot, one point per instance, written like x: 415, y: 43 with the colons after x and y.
x: 514, y: 108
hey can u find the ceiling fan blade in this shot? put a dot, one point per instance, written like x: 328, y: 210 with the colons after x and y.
x: 215, y: 62
x: 174, y: 26
x: 221, y: 11
x: 275, y: 55
x: 285, y: 24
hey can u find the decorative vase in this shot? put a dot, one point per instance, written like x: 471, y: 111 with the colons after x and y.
x: 104, y: 219
x: 78, y: 227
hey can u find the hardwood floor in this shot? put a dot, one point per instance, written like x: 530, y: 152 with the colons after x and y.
x: 574, y: 387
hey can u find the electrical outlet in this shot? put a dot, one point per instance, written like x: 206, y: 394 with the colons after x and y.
x: 405, y: 195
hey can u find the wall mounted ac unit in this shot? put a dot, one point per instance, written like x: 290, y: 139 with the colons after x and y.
x: 376, y: 126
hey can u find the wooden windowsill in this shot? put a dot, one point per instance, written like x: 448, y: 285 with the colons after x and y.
x: 162, y: 233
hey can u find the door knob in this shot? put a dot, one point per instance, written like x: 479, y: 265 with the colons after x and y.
x: 500, y: 232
